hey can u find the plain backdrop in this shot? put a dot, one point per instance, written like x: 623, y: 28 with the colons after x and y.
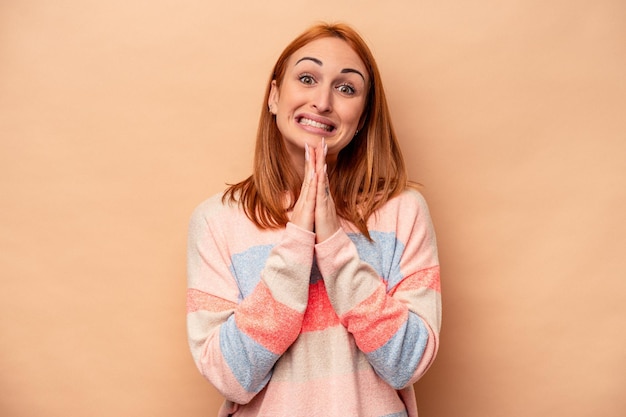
x: 118, y: 117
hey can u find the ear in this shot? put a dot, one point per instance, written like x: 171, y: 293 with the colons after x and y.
x: 272, y: 101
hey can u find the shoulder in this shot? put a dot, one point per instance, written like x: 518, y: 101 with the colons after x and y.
x: 214, y: 209
x: 410, y: 202
x: 401, y: 213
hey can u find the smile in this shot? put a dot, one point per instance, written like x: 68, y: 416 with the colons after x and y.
x: 308, y: 122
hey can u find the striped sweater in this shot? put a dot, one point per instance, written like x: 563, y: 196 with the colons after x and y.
x: 282, y: 326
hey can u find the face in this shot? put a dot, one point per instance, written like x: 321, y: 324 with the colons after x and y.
x: 322, y: 95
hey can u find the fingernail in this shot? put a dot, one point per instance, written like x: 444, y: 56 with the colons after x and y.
x: 306, y: 151
x: 325, y: 168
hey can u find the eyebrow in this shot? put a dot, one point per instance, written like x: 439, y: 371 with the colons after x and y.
x: 320, y: 63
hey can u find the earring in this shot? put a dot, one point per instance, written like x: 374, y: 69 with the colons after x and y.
x: 356, y: 133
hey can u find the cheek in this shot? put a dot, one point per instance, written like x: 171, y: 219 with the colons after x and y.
x: 290, y: 95
x: 353, y: 115
x: 353, y: 110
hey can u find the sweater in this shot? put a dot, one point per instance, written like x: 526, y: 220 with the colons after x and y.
x: 282, y: 326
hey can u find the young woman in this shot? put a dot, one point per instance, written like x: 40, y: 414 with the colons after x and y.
x: 313, y: 285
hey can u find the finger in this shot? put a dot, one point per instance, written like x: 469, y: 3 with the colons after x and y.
x: 304, y: 207
x: 323, y: 191
x: 326, y: 222
x: 324, y: 199
x: 307, y: 192
x: 326, y: 182
x: 320, y: 155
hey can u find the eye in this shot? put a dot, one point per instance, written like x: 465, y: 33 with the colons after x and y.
x: 346, y: 89
x: 306, y: 79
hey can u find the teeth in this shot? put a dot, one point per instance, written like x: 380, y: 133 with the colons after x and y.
x: 309, y: 122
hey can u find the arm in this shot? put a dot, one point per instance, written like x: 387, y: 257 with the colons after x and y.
x: 395, y: 323
x: 234, y: 342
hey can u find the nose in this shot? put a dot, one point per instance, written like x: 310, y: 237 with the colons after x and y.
x: 322, y: 100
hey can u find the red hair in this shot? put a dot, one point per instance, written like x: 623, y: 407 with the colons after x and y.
x: 371, y: 166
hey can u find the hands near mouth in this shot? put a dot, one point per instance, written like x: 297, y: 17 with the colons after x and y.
x: 315, y: 209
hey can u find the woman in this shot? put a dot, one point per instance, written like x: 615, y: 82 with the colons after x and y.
x: 314, y: 284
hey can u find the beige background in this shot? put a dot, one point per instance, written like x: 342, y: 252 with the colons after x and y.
x: 118, y: 117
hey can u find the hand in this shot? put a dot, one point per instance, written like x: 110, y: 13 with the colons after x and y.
x: 303, y: 214
x: 326, y: 220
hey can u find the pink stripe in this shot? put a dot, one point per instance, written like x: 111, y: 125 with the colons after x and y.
x: 375, y: 320
x: 200, y: 300
x: 352, y: 394
x: 319, y: 312
x: 428, y: 278
x: 270, y: 323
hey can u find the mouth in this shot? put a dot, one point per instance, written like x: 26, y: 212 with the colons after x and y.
x: 318, y: 125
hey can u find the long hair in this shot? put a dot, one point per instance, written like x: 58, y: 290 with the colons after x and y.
x: 368, y: 172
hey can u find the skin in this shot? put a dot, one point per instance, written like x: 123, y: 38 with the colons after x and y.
x: 318, y: 108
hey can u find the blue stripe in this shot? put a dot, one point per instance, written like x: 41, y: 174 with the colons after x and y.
x: 383, y: 254
x: 246, y: 267
x: 400, y: 414
x: 316, y: 275
x: 250, y: 362
x: 397, y: 359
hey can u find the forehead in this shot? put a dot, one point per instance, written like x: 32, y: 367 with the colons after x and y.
x: 334, y: 53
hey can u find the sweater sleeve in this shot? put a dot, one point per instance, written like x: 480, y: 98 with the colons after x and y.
x: 236, y: 341
x: 394, y: 311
